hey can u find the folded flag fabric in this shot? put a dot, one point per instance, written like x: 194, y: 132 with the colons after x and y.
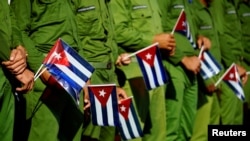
x: 183, y: 27
x: 104, y: 106
x: 232, y: 79
x: 129, y: 124
x: 209, y: 66
x: 150, y: 62
x: 68, y: 68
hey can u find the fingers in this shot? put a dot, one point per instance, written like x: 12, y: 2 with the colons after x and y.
x: 86, y: 104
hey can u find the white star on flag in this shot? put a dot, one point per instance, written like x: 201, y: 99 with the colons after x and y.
x: 123, y: 108
x: 148, y: 56
x: 102, y: 93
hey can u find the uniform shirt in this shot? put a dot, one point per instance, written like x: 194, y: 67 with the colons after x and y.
x: 96, y: 31
x: 42, y: 22
x: 9, y: 36
x: 244, y: 15
x: 136, y: 23
x: 229, y: 31
x: 170, y: 12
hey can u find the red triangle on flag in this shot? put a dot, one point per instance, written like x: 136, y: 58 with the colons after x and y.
x: 181, y: 23
x: 148, y: 55
x: 57, y: 55
x: 102, y: 93
x: 231, y: 74
x: 124, y: 107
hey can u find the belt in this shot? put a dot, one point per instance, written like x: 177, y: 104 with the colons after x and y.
x: 101, y: 65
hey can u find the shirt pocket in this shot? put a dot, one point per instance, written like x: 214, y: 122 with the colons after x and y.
x: 87, y: 20
x: 175, y: 9
x: 46, y: 1
x: 140, y: 16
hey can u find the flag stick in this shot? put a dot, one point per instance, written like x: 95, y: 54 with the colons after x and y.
x: 202, y: 48
x: 248, y: 72
x: 132, y: 54
x: 38, y: 70
x: 177, y: 22
x: 223, y: 75
x: 35, y: 78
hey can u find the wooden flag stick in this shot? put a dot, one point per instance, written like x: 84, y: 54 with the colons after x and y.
x: 38, y: 70
x: 202, y: 48
x: 35, y: 78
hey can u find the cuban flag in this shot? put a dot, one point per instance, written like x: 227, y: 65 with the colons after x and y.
x: 69, y: 69
x: 150, y: 62
x: 182, y: 26
x: 104, y: 106
x: 232, y: 79
x: 129, y: 124
x: 209, y: 66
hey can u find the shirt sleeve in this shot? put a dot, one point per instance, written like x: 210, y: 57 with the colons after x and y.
x: 22, y: 9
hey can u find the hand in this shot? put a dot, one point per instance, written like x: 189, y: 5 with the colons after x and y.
x: 192, y: 64
x: 121, y: 94
x: 17, y: 62
x: 243, y: 74
x: 211, y: 88
x: 166, y: 41
x: 123, y: 59
x: 86, y: 96
x: 204, y: 41
x: 27, y: 81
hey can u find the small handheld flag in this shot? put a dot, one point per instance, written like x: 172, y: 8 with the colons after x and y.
x: 104, y: 106
x: 68, y: 68
x: 232, y: 79
x: 150, y: 62
x: 129, y: 124
x: 209, y: 65
x: 182, y: 27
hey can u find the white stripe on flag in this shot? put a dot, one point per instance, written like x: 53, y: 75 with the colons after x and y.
x: 78, y: 65
x: 110, y: 111
x: 158, y: 71
x: 124, y: 127
x: 98, y: 108
x: 237, y: 87
x: 71, y: 74
x: 149, y: 74
x: 207, y: 73
x: 133, y: 124
x: 211, y: 63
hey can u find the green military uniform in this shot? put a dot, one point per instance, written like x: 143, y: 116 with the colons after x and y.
x: 8, y: 39
x: 231, y: 48
x: 96, y: 32
x: 208, y: 109
x: 42, y: 23
x: 243, y: 11
x: 136, y: 24
x: 181, y: 95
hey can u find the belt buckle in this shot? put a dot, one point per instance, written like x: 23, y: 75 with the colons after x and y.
x: 109, y: 65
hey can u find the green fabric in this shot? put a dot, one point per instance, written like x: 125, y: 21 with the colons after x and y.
x: 42, y: 23
x: 96, y: 32
x: 230, y: 31
x: 181, y: 103
x: 8, y: 36
x: 6, y: 112
x: 170, y: 13
x: 244, y: 14
x: 136, y: 24
x: 54, y: 19
x: 230, y: 37
x: 181, y: 95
